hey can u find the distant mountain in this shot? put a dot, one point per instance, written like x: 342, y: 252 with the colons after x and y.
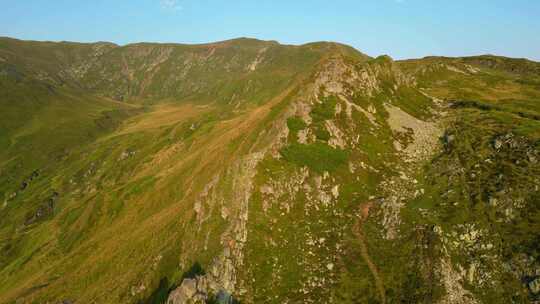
x: 247, y: 171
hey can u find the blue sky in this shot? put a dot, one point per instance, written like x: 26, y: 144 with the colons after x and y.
x: 399, y: 28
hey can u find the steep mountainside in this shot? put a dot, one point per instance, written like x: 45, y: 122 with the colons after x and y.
x: 247, y: 171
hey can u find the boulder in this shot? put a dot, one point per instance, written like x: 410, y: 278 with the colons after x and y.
x: 534, y: 286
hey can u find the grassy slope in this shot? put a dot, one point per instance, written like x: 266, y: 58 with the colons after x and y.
x: 124, y: 214
x: 128, y: 177
x: 302, y: 250
x: 500, y: 99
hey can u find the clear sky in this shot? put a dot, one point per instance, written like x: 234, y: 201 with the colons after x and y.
x: 399, y: 28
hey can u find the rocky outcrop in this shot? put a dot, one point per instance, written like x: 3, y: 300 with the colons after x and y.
x: 453, y: 283
x: 416, y: 141
x: 221, y: 279
x: 534, y: 286
x: 44, y: 210
x: 423, y: 135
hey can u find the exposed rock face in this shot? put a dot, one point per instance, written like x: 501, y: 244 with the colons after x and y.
x: 417, y: 141
x: 336, y: 139
x: 340, y: 78
x: 424, y: 134
x: 453, y: 283
x: 260, y: 57
x: 221, y: 278
x: 534, y: 286
x: 44, y: 210
x: 191, y: 291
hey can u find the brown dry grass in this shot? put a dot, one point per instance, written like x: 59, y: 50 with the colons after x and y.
x: 162, y: 115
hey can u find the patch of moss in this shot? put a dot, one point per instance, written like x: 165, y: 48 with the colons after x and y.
x: 295, y: 124
x: 318, y: 156
x: 320, y: 132
x: 325, y: 110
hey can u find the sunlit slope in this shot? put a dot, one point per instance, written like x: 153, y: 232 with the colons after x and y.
x: 120, y: 200
x: 234, y: 71
x: 256, y: 172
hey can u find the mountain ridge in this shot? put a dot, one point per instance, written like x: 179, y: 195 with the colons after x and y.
x: 239, y: 39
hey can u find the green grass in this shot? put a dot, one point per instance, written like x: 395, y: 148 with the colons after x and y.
x: 296, y: 124
x: 324, y: 110
x: 318, y: 156
x: 320, y: 132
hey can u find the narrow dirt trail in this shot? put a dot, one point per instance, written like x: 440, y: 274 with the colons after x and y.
x: 357, y: 230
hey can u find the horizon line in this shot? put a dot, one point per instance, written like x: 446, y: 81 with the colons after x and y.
x: 266, y: 41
